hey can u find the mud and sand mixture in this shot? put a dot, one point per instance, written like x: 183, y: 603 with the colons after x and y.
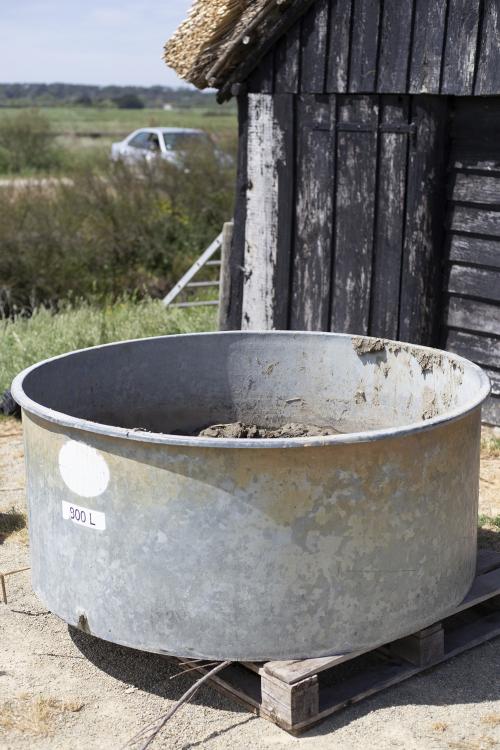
x: 242, y: 430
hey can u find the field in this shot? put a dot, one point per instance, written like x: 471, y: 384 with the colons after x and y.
x: 91, y: 130
x: 78, y: 120
x: 110, y: 228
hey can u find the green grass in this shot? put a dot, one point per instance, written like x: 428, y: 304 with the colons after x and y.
x: 74, y: 120
x: 73, y: 126
x: 28, y: 340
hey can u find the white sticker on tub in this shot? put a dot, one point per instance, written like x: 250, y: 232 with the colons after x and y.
x: 83, y: 469
x: 92, y: 519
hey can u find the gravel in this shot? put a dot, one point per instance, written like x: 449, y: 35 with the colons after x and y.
x: 106, y: 693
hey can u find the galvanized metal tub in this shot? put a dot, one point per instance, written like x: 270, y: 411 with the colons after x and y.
x: 252, y: 549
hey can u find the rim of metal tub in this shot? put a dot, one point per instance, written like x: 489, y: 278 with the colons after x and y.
x: 65, y: 420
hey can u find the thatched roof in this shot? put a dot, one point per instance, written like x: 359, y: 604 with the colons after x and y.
x: 222, y: 40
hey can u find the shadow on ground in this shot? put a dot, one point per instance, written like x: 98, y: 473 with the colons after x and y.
x: 11, y: 522
x: 489, y: 538
x: 471, y: 678
x: 152, y: 673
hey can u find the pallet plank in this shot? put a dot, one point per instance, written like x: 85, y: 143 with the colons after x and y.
x: 294, y: 671
x: 290, y: 705
x: 299, y: 702
x: 422, y: 648
x: 484, y: 587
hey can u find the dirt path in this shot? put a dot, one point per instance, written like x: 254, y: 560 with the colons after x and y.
x: 62, y: 689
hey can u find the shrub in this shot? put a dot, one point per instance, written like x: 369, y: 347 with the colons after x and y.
x: 26, y: 142
x: 134, y: 229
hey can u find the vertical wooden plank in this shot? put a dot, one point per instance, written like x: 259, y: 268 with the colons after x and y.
x: 314, y: 44
x: 337, y: 74
x: 364, y: 46
x: 268, y: 211
x: 389, y: 235
x: 355, y: 213
x: 460, y: 47
x: 287, y: 62
x: 427, y: 48
x: 394, y: 46
x: 424, y: 231
x: 488, y: 69
x: 313, y: 213
x: 225, y: 275
x: 284, y: 110
x: 230, y: 317
x: 261, y: 80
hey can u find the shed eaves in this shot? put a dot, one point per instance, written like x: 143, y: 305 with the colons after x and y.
x: 221, y: 41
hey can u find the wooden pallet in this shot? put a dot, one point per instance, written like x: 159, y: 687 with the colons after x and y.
x: 298, y: 694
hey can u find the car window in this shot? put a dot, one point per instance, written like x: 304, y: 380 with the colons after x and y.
x: 182, y: 141
x: 153, y: 142
x: 141, y: 140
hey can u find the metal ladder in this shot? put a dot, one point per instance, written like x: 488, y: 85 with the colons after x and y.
x: 205, y: 260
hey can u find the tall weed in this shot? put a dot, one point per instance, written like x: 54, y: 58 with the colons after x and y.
x: 26, y: 143
x: 26, y: 340
x: 130, y: 230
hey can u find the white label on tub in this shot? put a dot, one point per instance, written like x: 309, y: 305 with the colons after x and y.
x: 92, y: 519
x: 83, y: 469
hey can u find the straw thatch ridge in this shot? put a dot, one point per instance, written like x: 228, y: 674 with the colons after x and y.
x: 221, y: 41
x: 208, y: 35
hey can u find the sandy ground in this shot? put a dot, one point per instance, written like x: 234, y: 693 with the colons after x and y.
x: 62, y: 689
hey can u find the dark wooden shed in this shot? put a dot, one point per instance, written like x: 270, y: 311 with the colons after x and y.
x: 368, y: 192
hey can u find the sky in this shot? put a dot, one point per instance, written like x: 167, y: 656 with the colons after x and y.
x: 88, y: 41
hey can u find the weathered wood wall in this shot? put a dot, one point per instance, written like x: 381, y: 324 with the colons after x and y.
x: 342, y: 202
x: 366, y: 203
x: 472, y: 279
x: 449, y: 47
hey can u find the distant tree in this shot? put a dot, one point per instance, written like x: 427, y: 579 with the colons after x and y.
x: 129, y: 101
x: 84, y: 100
